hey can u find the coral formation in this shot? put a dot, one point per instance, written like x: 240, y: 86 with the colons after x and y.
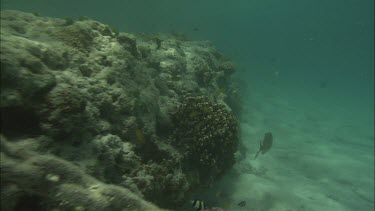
x: 207, y: 134
x: 105, y: 105
x: 76, y: 36
x: 57, y: 184
x: 227, y: 67
x: 61, y: 110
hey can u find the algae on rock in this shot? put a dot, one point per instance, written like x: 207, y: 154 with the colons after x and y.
x: 108, y: 102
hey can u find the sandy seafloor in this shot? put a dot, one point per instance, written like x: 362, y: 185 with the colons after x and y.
x: 322, y: 157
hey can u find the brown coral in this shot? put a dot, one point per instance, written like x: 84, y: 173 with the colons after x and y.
x: 76, y: 36
x: 207, y: 133
x: 61, y: 110
x: 228, y: 67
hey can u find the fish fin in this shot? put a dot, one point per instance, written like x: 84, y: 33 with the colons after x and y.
x: 257, y: 155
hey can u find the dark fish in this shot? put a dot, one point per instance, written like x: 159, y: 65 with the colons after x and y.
x: 242, y: 204
x: 196, y: 29
x: 266, y: 144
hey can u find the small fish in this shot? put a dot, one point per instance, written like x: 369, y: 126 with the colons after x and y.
x: 266, y: 144
x: 199, y: 205
x: 242, y: 204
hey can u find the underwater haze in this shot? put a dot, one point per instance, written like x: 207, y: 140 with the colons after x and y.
x: 305, y: 72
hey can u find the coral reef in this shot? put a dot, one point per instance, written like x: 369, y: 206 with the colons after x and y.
x: 61, y: 111
x: 207, y: 134
x: 102, y: 107
x: 57, y: 184
x: 76, y: 36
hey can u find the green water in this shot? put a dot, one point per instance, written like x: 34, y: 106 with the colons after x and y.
x: 306, y: 72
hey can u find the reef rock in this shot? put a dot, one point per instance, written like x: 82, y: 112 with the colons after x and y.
x: 101, y: 107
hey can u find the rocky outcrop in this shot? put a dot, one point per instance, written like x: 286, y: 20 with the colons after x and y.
x: 31, y: 181
x: 101, y: 103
